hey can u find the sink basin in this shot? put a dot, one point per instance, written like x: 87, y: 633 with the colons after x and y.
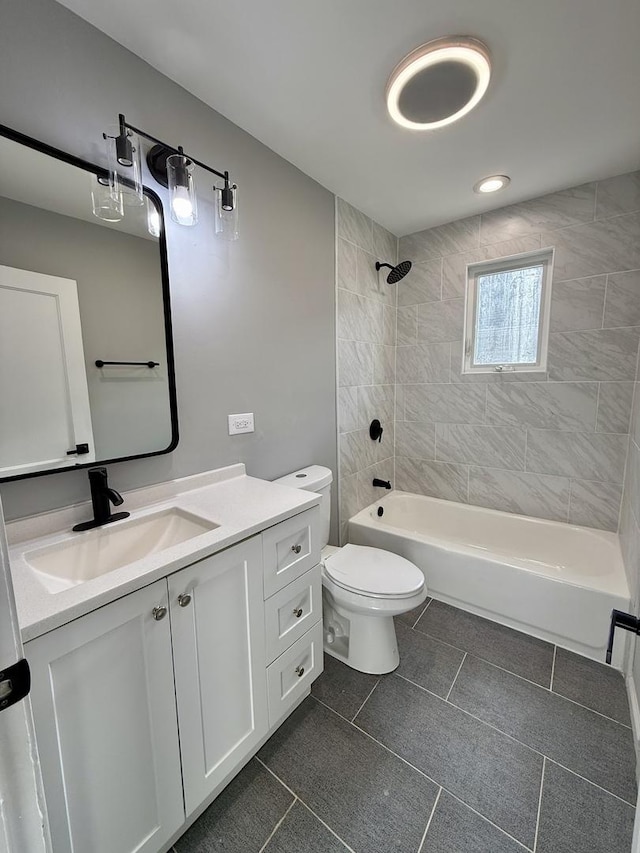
x: 105, y: 549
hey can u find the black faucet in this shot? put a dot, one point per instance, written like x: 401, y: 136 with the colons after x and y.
x: 101, y: 498
x: 385, y: 484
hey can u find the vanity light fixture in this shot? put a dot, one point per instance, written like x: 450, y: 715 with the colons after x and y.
x: 124, y: 163
x: 492, y: 184
x: 154, y: 224
x: 438, y: 82
x: 171, y: 168
x: 107, y: 204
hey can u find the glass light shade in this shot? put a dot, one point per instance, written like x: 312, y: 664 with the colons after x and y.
x: 182, y: 192
x: 227, y: 220
x: 106, y: 200
x: 125, y: 166
x: 154, y: 224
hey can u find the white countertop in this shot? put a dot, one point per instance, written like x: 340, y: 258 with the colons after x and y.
x: 240, y: 505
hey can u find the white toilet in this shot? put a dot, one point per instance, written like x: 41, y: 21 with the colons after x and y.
x: 362, y: 589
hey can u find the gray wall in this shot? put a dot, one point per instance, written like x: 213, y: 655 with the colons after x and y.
x: 253, y: 320
x: 121, y: 312
x: 630, y: 519
x: 554, y: 448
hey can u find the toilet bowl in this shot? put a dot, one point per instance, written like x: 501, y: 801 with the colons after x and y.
x: 363, y: 588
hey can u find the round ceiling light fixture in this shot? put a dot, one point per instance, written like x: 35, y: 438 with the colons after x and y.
x: 438, y: 83
x: 492, y: 184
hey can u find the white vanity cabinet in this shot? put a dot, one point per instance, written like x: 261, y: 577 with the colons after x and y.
x: 105, y: 714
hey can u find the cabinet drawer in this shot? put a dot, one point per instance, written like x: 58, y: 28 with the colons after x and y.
x: 290, y: 549
x: 290, y: 676
x: 292, y: 611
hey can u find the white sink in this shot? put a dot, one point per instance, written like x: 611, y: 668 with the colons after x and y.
x: 105, y: 549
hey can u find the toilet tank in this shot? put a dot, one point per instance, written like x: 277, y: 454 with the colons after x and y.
x: 318, y: 479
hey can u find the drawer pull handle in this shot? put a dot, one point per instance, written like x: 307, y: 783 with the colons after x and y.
x: 296, y: 549
x: 300, y: 671
x: 184, y: 600
x: 297, y: 612
x: 159, y: 612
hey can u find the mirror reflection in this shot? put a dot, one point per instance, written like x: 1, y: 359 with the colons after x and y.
x: 86, y: 371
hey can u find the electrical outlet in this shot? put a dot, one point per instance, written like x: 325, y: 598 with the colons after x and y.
x: 241, y: 423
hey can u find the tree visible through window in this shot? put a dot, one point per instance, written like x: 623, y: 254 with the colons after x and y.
x: 506, y: 306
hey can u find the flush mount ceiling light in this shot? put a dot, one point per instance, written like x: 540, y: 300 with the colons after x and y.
x: 492, y: 184
x: 438, y: 83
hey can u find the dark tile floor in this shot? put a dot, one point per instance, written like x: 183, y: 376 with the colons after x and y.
x: 484, y: 740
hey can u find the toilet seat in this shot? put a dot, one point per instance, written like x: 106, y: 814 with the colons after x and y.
x: 373, y: 572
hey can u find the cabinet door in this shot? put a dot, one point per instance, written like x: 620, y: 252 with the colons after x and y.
x: 106, y: 728
x: 217, y: 622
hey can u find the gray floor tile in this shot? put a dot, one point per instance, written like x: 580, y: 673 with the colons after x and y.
x: 593, y: 684
x: 426, y: 661
x: 456, y: 829
x: 301, y: 832
x: 526, y: 656
x: 583, y: 741
x: 342, y: 688
x: 411, y: 616
x: 242, y: 818
x: 492, y: 773
x: 577, y: 817
x: 370, y: 798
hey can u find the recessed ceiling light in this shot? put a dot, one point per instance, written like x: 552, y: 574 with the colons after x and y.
x: 492, y: 184
x: 438, y: 83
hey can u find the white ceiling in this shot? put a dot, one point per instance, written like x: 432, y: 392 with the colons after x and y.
x: 308, y: 79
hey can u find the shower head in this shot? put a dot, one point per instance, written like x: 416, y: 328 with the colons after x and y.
x: 397, y: 273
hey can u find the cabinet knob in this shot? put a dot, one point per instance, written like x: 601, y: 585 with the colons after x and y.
x: 184, y: 599
x: 296, y: 549
x: 297, y: 612
x: 159, y: 612
x: 300, y: 671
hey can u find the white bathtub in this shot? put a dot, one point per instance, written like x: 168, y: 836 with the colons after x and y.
x: 556, y: 581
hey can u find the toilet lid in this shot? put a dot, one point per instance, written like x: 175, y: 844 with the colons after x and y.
x: 373, y: 571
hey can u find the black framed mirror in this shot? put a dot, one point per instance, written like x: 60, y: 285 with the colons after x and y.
x: 86, y: 350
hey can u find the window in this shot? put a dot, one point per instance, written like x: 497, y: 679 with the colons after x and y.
x: 507, y: 314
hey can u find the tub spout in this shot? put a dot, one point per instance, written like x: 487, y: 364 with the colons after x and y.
x: 384, y: 484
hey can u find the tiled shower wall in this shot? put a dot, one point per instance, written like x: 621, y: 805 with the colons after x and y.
x: 552, y: 446
x: 366, y: 326
x: 630, y: 517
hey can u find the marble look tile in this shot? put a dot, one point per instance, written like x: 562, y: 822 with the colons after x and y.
x: 422, y: 284
x: 462, y: 404
x: 577, y: 816
x: 441, y: 321
x: 543, y: 405
x: 400, y: 407
x: 376, y: 401
x: 302, y: 830
x: 454, y: 267
x: 360, y: 319
x: 630, y: 544
x: 595, y: 504
x: 355, y: 363
x: 495, y: 447
x: 408, y: 325
x: 385, y: 244
x: 602, y: 354
x: 614, y: 407
x: 458, y: 236
x: 372, y: 283
x: 545, y: 213
x: 347, y: 409
x: 356, y: 452
x: 492, y: 773
x: 611, y: 245
x: 422, y: 363
x: 384, y: 364
x: 242, y: 818
x: 427, y: 662
x: 342, y: 688
x: 415, y: 439
x: 371, y: 799
x: 349, y: 501
x: 455, y: 828
x: 435, y: 479
x: 633, y: 477
x: 389, y: 318
x: 635, y: 414
x: 354, y: 226
x: 538, y: 495
x: 585, y: 455
x: 594, y: 685
x: 346, y: 265
x: 622, y: 307
x: 618, y: 195
x: 578, y: 304
x: 556, y: 727
x: 367, y: 493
